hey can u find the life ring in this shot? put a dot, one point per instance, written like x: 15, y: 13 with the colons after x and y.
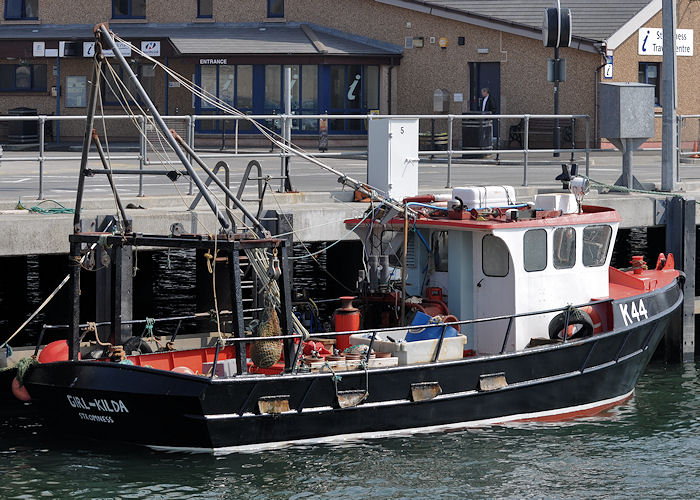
x: 595, y: 317
x: 576, y: 317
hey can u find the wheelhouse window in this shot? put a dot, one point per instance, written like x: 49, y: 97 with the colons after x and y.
x: 650, y: 72
x: 23, y: 78
x: 128, y: 9
x: 564, y: 248
x: 275, y: 8
x: 535, y: 250
x: 596, y: 240
x: 205, y: 8
x: 494, y: 256
x: 21, y: 9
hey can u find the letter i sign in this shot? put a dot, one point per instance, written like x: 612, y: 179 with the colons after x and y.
x: 608, y: 68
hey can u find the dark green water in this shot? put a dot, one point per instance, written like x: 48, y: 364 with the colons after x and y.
x: 647, y: 448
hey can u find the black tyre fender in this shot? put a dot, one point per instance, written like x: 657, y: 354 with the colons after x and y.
x: 576, y: 317
x: 137, y: 344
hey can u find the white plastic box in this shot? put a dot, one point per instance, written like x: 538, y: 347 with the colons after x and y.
x: 484, y: 196
x: 566, y: 202
x: 420, y: 351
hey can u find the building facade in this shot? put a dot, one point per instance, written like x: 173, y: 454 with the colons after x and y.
x: 350, y: 57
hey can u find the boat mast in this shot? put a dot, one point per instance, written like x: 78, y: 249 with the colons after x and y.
x: 102, y: 34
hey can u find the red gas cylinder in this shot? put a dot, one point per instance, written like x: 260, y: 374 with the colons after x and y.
x: 54, y: 351
x: 347, y: 319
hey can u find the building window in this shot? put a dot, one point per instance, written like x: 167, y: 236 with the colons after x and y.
x: 233, y: 84
x: 564, y: 247
x: 128, y: 9
x: 354, y: 90
x: 596, y: 240
x: 494, y: 256
x: 535, y: 250
x: 114, y: 93
x: 23, y: 78
x: 205, y: 8
x: 275, y: 8
x: 304, y: 94
x: 21, y: 9
x: 650, y: 72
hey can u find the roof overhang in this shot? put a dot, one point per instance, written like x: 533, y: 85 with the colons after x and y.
x: 632, y: 26
x: 578, y: 43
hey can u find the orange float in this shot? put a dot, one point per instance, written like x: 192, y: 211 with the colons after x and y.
x: 20, y: 391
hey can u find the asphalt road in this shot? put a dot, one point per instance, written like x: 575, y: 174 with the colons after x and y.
x: 20, y: 179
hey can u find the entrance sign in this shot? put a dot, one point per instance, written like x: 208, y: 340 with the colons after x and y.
x: 651, y: 42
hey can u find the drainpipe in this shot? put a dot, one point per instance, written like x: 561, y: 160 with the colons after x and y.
x: 391, y: 70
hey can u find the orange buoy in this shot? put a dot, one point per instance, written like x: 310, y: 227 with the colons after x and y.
x: 347, y: 319
x: 55, y: 351
x: 595, y: 317
x: 20, y: 391
x: 182, y: 369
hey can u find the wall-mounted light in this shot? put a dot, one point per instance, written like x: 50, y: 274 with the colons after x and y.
x: 482, y: 51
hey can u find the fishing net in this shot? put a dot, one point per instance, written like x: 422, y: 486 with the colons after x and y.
x: 265, y: 353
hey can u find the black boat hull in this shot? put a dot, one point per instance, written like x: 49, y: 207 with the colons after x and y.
x: 166, y: 410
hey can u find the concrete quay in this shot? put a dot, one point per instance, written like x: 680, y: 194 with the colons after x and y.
x: 318, y: 208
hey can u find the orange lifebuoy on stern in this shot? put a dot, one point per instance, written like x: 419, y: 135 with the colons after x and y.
x: 595, y: 317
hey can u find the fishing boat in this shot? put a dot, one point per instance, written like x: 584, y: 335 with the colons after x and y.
x: 473, y: 308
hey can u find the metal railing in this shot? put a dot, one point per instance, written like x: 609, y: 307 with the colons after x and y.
x: 287, y: 120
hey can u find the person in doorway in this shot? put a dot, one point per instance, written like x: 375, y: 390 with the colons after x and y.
x: 487, y: 105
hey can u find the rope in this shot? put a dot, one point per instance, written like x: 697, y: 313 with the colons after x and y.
x: 38, y: 209
x: 38, y: 310
x: 22, y: 366
x: 623, y: 189
x: 299, y: 257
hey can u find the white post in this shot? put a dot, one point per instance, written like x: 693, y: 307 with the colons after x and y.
x: 286, y: 127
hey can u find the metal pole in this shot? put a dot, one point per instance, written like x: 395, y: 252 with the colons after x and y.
x: 526, y: 146
x: 106, y: 37
x: 588, y: 145
x: 557, y: 144
x: 190, y: 142
x: 669, y: 164
x: 74, y: 344
x: 92, y: 104
x: 222, y: 186
x: 120, y: 205
x: 449, y: 151
x: 42, y: 123
x: 142, y: 152
x: 284, y: 181
x: 403, y: 267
